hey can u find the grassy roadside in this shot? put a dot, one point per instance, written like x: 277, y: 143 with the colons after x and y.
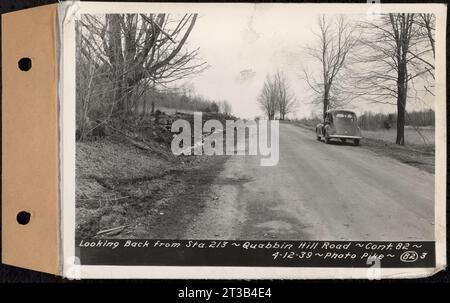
x: 421, y: 156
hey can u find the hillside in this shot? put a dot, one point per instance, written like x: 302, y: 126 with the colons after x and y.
x: 128, y: 177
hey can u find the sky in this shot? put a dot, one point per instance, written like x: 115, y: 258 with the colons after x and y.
x: 243, y: 45
x: 241, y: 50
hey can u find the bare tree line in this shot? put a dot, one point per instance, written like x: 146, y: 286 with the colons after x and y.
x: 276, y: 97
x: 122, y: 56
x: 377, y: 62
x: 375, y: 121
x: 180, y: 100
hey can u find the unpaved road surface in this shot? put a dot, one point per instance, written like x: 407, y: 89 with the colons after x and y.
x: 317, y: 192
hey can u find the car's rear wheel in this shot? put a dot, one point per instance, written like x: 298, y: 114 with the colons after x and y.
x: 327, y: 139
x: 356, y: 142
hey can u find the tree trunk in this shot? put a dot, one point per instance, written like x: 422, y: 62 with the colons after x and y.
x: 325, y: 102
x: 120, y: 102
x: 115, y: 55
x: 400, y: 125
x: 144, y: 104
x: 401, y: 103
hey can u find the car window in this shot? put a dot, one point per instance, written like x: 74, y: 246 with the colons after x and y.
x: 346, y: 116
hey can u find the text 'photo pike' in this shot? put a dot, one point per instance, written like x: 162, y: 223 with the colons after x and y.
x: 297, y: 140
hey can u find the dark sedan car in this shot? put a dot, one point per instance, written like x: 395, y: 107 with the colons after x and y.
x: 339, y: 124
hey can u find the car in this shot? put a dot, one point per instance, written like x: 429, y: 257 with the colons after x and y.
x: 339, y: 124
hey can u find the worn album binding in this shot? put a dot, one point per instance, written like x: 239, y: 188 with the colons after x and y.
x: 316, y: 211
x: 30, y: 153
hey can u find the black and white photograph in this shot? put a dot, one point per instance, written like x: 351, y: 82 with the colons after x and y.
x: 257, y: 135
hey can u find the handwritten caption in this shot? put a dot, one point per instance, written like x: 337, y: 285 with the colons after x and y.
x: 283, y: 253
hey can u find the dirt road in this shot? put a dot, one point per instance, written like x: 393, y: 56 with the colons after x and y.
x: 319, y: 192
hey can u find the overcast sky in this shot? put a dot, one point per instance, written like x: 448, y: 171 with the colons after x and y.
x: 243, y: 45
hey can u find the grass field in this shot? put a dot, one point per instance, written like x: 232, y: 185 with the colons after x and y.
x: 421, y: 136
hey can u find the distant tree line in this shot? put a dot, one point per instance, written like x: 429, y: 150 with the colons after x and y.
x: 179, y: 101
x: 376, y: 121
x: 379, y: 121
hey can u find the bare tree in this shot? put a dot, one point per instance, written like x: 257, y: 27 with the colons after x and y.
x: 394, y: 54
x: 335, y: 39
x: 285, y: 98
x: 428, y: 24
x: 276, y: 97
x: 268, y: 98
x: 90, y: 89
x: 134, y: 50
x: 225, y: 107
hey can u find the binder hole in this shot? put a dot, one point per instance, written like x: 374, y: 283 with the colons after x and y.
x: 25, y: 64
x: 23, y: 217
